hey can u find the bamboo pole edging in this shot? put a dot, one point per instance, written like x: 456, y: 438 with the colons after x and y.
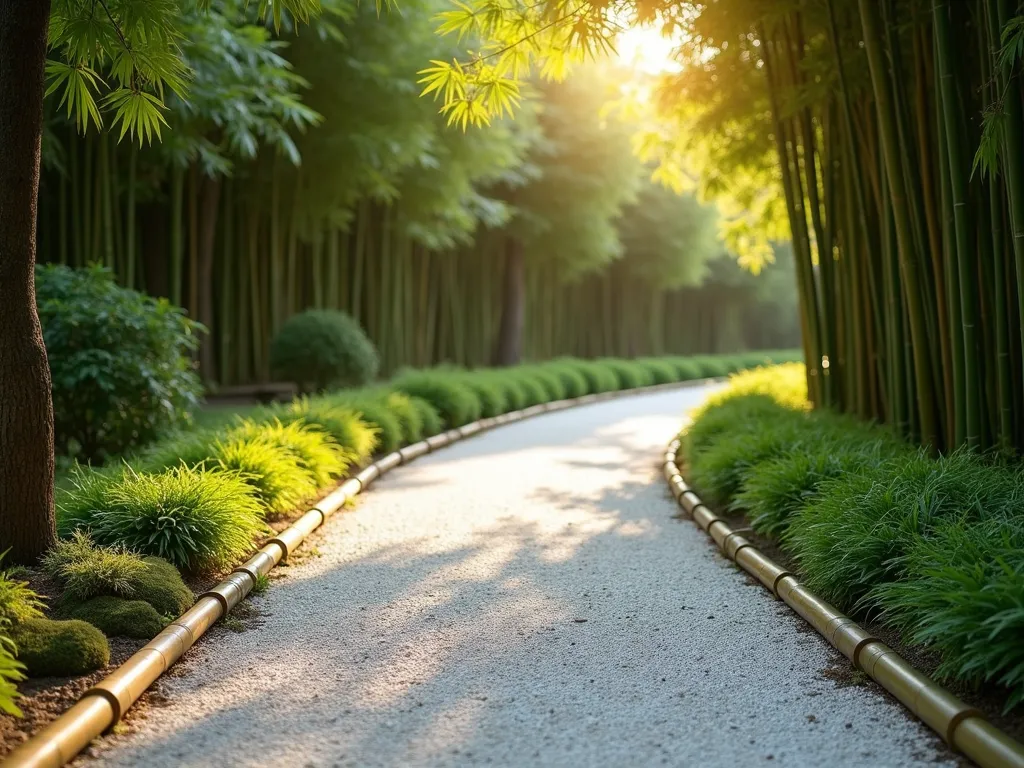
x: 961, y: 726
x: 101, y: 707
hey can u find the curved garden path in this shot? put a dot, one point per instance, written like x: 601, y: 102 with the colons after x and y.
x: 523, y: 598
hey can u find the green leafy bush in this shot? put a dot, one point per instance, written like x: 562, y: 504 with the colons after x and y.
x: 409, y: 417
x: 661, y: 371
x: 628, y: 373
x: 374, y: 411
x: 120, y: 362
x: 455, y: 402
x: 430, y: 417
x: 322, y: 348
x: 531, y: 389
x: 491, y: 395
x: 574, y: 383
x: 550, y: 382
x: 118, y: 617
x: 51, y: 648
x: 686, y: 369
x: 197, y: 519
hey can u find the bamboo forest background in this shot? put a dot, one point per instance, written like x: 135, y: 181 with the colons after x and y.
x: 315, y: 176
x: 893, y: 131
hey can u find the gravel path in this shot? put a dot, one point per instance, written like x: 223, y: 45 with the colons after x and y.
x: 522, y: 598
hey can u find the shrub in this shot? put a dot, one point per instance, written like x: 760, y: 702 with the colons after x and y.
x: 599, y: 377
x: 408, y: 415
x: 118, y: 617
x: 321, y: 348
x: 455, y: 402
x: 354, y: 435
x: 531, y: 388
x: 660, y: 371
x: 374, y: 412
x: 120, y: 362
x: 85, y: 570
x: 711, y: 367
x: 197, y: 519
x: 744, y: 413
x: 316, y: 452
x: 493, y: 401
x: 51, y: 648
x: 686, y: 369
x: 574, y: 383
x: 516, y: 395
x: 430, y: 417
x: 549, y: 381
x: 628, y: 373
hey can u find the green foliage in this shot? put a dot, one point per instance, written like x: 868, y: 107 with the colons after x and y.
x: 197, y: 519
x: 51, y: 648
x: 320, y: 349
x: 313, y: 449
x: 340, y: 421
x: 492, y: 397
x: 120, y: 362
x: 628, y: 373
x: 11, y: 673
x: 660, y: 371
x: 116, y: 616
x: 574, y: 383
x: 374, y: 410
x: 85, y: 570
x: 430, y: 416
x: 455, y: 402
x: 550, y: 382
x: 17, y: 601
x: 405, y: 411
x: 599, y: 377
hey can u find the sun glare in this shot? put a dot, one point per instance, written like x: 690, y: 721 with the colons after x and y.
x: 646, y: 49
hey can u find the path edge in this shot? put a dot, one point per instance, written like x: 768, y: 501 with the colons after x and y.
x: 102, y: 706
x: 961, y: 726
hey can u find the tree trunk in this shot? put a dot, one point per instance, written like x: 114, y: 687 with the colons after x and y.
x: 509, y: 350
x: 26, y: 409
x: 209, y: 208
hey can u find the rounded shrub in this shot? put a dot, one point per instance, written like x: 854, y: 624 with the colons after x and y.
x: 573, y: 381
x: 493, y: 401
x: 531, y: 388
x: 51, y: 648
x: 455, y: 401
x: 322, y: 348
x: 377, y: 414
x: 628, y: 373
x: 550, y: 382
x: 660, y: 371
x: 409, y: 417
x: 118, y: 617
x: 686, y: 369
x: 197, y: 519
x: 511, y: 386
x: 430, y: 417
x: 711, y: 366
x: 120, y: 362
x: 599, y: 377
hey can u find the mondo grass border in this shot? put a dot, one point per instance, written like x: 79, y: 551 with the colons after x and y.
x: 963, y: 727
x: 102, y: 706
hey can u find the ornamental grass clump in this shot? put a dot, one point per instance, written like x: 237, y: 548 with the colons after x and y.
x: 599, y: 377
x: 338, y: 419
x: 854, y: 535
x: 313, y: 448
x: 85, y: 570
x: 628, y: 373
x: 961, y: 594
x: 574, y: 383
x: 195, y: 518
x: 661, y: 371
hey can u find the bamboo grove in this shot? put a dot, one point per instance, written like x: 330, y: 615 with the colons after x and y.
x: 320, y: 178
x: 895, y: 128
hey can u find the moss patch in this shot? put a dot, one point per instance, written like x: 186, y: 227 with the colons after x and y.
x: 116, y: 616
x: 51, y: 648
x: 161, y: 586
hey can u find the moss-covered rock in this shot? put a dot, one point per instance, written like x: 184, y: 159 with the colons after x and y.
x: 50, y: 648
x: 116, y: 616
x: 161, y: 586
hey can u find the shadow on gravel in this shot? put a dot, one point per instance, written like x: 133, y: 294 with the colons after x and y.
x: 513, y: 621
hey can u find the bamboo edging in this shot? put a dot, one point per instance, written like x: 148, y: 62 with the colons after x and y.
x: 963, y: 727
x: 103, y: 705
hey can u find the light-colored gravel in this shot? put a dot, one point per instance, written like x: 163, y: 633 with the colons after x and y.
x: 522, y: 598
